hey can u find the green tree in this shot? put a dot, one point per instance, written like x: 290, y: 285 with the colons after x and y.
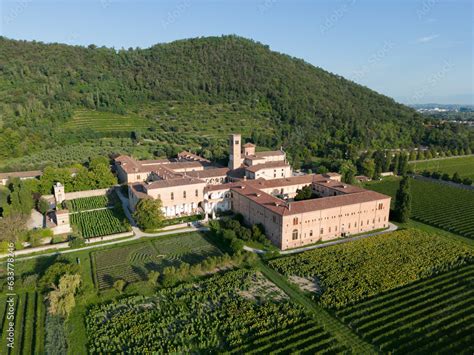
x: 304, y: 193
x: 348, y: 171
x: 119, y: 285
x: 403, y: 201
x: 43, y: 206
x: 62, y: 298
x: 456, y: 178
x: 153, y: 277
x: 148, y: 213
x: 368, y: 167
x: 403, y: 164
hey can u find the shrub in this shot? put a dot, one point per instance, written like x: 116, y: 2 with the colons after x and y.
x: 119, y: 285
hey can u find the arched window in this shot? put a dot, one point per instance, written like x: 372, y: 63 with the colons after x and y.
x: 295, y: 221
x: 295, y: 234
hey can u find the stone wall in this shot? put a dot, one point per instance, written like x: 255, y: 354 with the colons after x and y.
x: 81, y: 194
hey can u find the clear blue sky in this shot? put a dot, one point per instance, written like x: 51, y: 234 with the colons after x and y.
x: 414, y: 51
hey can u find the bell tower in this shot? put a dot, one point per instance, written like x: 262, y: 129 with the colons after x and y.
x: 235, y: 159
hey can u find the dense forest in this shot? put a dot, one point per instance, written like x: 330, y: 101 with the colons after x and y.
x: 311, y: 111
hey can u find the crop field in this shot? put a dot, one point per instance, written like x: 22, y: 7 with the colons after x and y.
x: 133, y: 262
x: 229, y: 312
x: 434, y: 315
x: 464, y: 166
x: 101, y: 222
x: 211, y: 121
x: 442, y: 206
x: 106, y: 122
x: 87, y: 203
x: 351, y: 272
x: 29, y: 324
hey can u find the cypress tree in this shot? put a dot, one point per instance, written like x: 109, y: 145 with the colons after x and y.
x: 403, y: 201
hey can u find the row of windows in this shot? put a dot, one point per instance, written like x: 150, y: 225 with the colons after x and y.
x: 295, y: 220
x: 196, y: 193
x: 321, y: 231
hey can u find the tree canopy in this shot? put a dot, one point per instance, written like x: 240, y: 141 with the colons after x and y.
x: 148, y: 213
x: 311, y: 111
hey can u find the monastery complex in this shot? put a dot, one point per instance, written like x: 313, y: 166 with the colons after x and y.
x: 261, y: 186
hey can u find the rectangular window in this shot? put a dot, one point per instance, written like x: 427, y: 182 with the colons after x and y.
x: 172, y: 195
x: 295, y: 221
x: 274, y: 219
x: 321, y: 231
x: 329, y: 229
x: 184, y: 194
x: 311, y: 233
x: 197, y: 193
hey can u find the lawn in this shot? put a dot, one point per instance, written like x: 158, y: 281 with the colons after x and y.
x: 464, y: 166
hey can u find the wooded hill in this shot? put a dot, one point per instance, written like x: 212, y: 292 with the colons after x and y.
x: 311, y: 112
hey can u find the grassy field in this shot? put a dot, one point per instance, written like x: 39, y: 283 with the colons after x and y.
x: 434, y: 315
x: 443, y: 206
x: 106, y: 122
x: 464, y: 166
x: 133, y: 262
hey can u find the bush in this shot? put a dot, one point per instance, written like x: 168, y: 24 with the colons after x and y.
x: 467, y: 181
x: 446, y: 177
x: 76, y: 241
x: 119, y: 285
x: 55, y: 342
x: 153, y: 277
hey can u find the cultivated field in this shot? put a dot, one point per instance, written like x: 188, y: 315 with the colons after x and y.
x: 443, y: 206
x: 351, y: 272
x: 29, y: 324
x: 101, y: 222
x: 133, y: 262
x: 98, y: 121
x: 434, y: 315
x: 87, y: 203
x: 238, y: 312
x: 464, y: 166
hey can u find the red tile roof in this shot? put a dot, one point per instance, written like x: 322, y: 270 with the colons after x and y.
x: 269, y: 165
x: 208, y: 173
x: 160, y: 184
x: 284, y: 208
